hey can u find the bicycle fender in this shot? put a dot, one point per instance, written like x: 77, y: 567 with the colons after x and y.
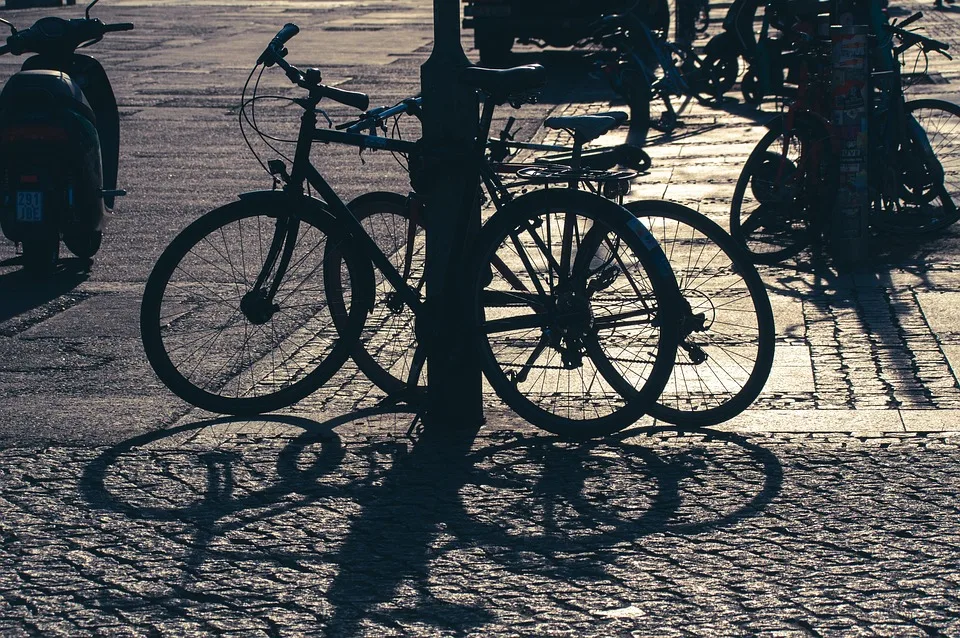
x: 812, y: 121
x: 280, y: 198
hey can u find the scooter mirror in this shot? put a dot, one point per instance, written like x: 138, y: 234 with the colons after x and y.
x: 90, y: 6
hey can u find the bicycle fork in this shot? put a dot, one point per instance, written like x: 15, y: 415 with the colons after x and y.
x: 257, y: 305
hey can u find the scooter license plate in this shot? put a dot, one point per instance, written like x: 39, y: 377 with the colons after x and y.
x: 29, y: 206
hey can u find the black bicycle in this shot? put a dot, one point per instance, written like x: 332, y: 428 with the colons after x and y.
x: 238, y: 316
x: 727, y: 335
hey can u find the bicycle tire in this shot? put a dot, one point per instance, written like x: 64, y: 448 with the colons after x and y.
x: 738, y: 338
x: 773, y: 207
x: 388, y: 349
x: 913, y: 210
x: 720, y: 69
x: 516, y: 267
x: 267, y: 362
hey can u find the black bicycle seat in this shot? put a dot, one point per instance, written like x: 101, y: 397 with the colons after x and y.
x: 619, y: 116
x: 499, y: 84
x: 586, y: 127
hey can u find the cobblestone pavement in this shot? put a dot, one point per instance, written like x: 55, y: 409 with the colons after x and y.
x: 281, y: 527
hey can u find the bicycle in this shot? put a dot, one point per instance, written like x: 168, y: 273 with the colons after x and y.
x: 276, y: 333
x: 777, y: 206
x: 641, y: 67
x: 727, y: 337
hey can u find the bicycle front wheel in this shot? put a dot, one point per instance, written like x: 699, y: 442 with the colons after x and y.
x: 234, y: 317
x: 727, y: 337
x: 575, y: 312
x: 928, y: 195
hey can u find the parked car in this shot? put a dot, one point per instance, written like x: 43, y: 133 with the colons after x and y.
x: 497, y: 24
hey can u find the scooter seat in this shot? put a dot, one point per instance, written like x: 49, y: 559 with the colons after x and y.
x: 43, y: 89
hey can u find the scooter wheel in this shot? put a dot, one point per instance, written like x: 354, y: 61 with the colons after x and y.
x: 750, y: 87
x: 84, y: 245
x: 40, y: 254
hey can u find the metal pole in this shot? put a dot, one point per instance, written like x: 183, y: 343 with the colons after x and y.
x: 851, y: 98
x: 449, y: 182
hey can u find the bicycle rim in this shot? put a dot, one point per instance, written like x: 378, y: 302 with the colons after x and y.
x: 244, y: 359
x: 924, y: 203
x: 388, y: 351
x: 574, y: 324
x: 774, y: 201
x: 726, y: 349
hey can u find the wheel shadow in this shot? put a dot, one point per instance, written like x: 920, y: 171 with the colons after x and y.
x: 387, y: 515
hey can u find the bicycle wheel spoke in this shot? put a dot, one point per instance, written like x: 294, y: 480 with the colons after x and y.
x: 726, y: 353
x: 575, y: 356
x: 222, y: 343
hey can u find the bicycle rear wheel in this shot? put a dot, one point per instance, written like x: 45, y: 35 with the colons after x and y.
x: 388, y: 351
x: 575, y: 312
x: 214, y: 333
x: 728, y: 336
x: 924, y: 201
x: 781, y: 191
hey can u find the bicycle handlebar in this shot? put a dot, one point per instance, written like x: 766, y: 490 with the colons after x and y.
x: 916, y: 16
x: 355, y: 99
x: 375, y: 117
x: 910, y: 38
x: 310, y: 80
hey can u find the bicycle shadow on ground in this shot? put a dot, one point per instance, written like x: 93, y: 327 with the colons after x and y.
x: 868, y: 333
x: 384, y: 530
x: 814, y: 271
x: 22, y: 291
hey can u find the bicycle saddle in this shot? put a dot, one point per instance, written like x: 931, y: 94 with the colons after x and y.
x: 500, y: 84
x: 584, y: 127
x: 619, y: 116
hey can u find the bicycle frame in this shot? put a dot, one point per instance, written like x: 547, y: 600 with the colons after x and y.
x: 303, y: 172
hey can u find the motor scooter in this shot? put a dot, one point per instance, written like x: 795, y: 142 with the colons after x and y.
x: 59, y: 141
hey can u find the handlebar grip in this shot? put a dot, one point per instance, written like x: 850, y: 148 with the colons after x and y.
x: 275, y: 48
x: 119, y: 26
x: 938, y: 45
x: 916, y: 16
x: 355, y: 99
x: 288, y: 31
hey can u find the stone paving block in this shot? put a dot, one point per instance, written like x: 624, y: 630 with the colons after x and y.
x: 792, y: 370
x: 941, y: 310
x: 787, y: 314
x: 860, y: 421
x: 931, y: 420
